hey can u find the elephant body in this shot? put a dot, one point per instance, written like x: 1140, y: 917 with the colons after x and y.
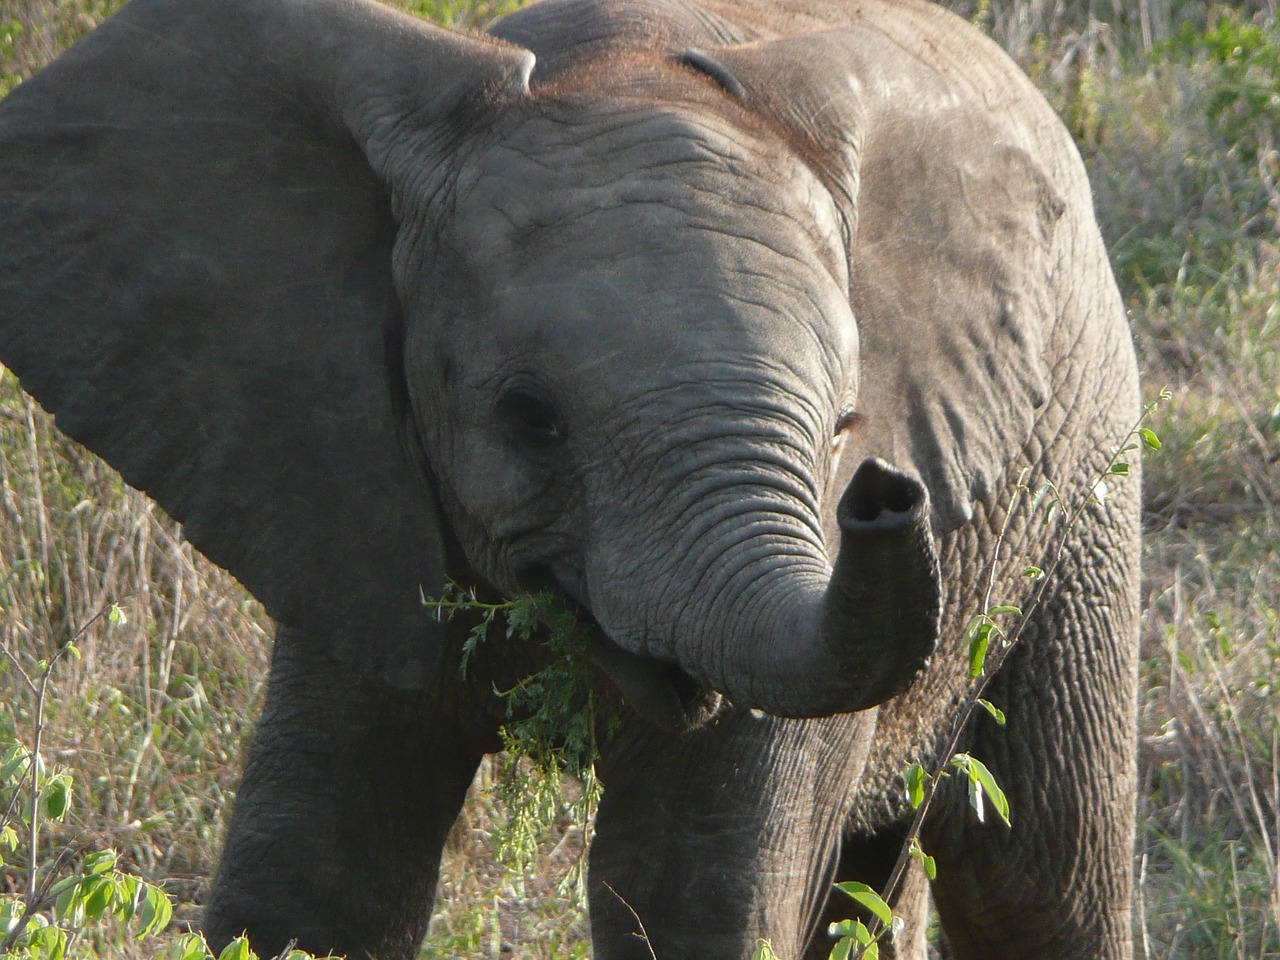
x: 742, y: 325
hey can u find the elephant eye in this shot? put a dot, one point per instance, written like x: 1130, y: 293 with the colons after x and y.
x: 530, y: 416
x: 847, y: 421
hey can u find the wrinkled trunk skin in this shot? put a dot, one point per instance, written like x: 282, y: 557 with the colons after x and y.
x: 768, y: 622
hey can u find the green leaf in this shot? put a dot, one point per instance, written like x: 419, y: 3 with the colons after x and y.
x: 1046, y: 496
x: 99, y: 862
x: 926, y: 861
x: 237, y: 949
x: 1053, y: 509
x: 1004, y: 609
x: 841, y: 928
x: 853, y: 933
x: 154, y: 913
x: 70, y: 909
x: 8, y: 837
x: 996, y: 713
x: 976, y: 801
x: 974, y: 625
x: 1119, y: 469
x: 914, y: 778
x: 65, y: 883
x: 69, y: 905
x: 982, y: 782
x: 129, y: 894
x: 1033, y: 573
x: 98, y: 896
x: 763, y: 951
x: 116, y: 615
x: 189, y: 946
x: 857, y: 931
x: 929, y: 864
x: 10, y: 913
x: 15, y: 760
x: 866, y: 896
x: 56, y: 797
x: 48, y: 943
x: 1149, y: 439
x: 978, y: 636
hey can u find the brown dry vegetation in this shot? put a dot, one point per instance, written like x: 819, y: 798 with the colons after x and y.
x: 1181, y: 136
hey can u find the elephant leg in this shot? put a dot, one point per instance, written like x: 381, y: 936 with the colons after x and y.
x: 708, y: 841
x: 870, y: 860
x: 1056, y: 886
x: 350, y: 791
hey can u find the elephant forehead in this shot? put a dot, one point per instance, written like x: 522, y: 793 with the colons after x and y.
x: 654, y: 226
x: 627, y: 179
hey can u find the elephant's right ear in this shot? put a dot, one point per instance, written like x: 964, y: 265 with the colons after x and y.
x: 195, y: 278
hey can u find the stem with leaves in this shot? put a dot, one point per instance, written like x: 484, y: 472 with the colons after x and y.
x: 37, y: 894
x: 552, y: 718
x: 985, y: 662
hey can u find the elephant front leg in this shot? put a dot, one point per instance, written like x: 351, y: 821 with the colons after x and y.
x: 350, y: 791
x: 1057, y: 884
x: 709, y: 841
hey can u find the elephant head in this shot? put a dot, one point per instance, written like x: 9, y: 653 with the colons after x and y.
x: 366, y: 304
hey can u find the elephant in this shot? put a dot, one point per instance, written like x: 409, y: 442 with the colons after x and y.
x: 738, y: 324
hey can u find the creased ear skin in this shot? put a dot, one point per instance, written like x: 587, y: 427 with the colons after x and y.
x: 949, y: 223
x: 195, y: 278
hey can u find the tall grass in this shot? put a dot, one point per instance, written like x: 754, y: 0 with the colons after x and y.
x: 1176, y: 106
x: 152, y: 718
x: 1180, y: 127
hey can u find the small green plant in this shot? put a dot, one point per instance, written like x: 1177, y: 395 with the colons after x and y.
x: 61, y: 897
x: 192, y: 946
x: 69, y: 896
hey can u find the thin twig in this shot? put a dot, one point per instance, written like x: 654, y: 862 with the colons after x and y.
x: 643, y: 934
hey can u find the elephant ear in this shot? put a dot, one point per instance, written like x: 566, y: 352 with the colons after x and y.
x: 949, y: 220
x: 196, y: 279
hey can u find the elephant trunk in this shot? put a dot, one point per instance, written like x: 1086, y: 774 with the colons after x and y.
x: 863, y: 636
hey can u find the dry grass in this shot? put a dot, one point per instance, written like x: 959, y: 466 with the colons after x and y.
x: 153, y: 718
x: 1182, y: 151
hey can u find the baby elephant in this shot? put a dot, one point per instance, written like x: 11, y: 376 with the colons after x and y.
x: 735, y: 324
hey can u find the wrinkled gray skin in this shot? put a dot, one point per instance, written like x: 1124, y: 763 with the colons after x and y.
x: 737, y: 323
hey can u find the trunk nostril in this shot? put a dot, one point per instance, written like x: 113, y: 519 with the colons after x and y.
x: 877, y: 492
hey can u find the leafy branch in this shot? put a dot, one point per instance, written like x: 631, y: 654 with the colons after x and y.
x: 49, y: 797
x: 55, y: 910
x: 985, y: 661
x: 552, y: 717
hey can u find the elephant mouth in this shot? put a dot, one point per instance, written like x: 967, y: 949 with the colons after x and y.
x: 657, y: 691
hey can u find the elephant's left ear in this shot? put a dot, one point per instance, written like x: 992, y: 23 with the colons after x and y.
x: 197, y: 234
x: 936, y: 163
